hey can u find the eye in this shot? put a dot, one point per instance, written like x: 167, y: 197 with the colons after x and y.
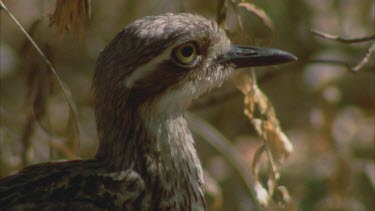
x: 185, y: 54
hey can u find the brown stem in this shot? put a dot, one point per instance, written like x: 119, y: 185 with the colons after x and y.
x: 51, y: 68
x: 343, y: 40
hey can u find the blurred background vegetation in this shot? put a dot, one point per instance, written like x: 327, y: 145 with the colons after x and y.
x: 325, y: 109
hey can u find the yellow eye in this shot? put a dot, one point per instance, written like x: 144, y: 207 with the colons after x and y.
x: 185, y: 53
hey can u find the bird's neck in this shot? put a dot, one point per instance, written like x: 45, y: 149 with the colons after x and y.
x: 160, y: 147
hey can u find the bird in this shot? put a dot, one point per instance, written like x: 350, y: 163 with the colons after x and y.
x: 144, y: 81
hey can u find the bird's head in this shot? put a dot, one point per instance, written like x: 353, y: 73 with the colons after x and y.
x: 167, y: 61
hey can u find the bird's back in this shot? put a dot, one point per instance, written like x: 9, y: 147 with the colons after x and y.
x: 77, y: 185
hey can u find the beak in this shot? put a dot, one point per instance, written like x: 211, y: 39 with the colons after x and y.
x: 246, y: 56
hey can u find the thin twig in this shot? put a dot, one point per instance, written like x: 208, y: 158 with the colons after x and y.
x: 370, y: 52
x: 343, y: 40
x: 53, y: 71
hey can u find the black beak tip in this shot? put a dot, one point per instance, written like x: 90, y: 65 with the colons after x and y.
x: 289, y: 57
x: 280, y: 57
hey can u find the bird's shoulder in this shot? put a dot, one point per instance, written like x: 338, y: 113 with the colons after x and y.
x: 79, y: 184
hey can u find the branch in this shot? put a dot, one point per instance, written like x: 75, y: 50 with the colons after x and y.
x: 365, y: 59
x: 342, y: 40
x: 51, y: 68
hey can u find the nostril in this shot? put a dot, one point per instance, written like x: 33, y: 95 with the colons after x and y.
x: 243, y: 51
x: 246, y: 53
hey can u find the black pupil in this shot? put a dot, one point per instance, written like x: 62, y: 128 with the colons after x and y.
x: 187, y: 51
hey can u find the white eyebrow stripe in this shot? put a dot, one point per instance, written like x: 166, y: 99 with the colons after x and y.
x: 146, y: 68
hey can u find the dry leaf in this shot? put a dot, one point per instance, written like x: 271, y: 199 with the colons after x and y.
x: 44, y: 100
x: 262, y: 194
x: 276, y: 143
x: 71, y: 15
x: 284, y: 199
x: 38, y: 88
x: 268, y: 127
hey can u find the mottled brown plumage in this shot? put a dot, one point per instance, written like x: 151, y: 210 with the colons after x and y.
x: 69, y: 185
x: 144, y: 81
